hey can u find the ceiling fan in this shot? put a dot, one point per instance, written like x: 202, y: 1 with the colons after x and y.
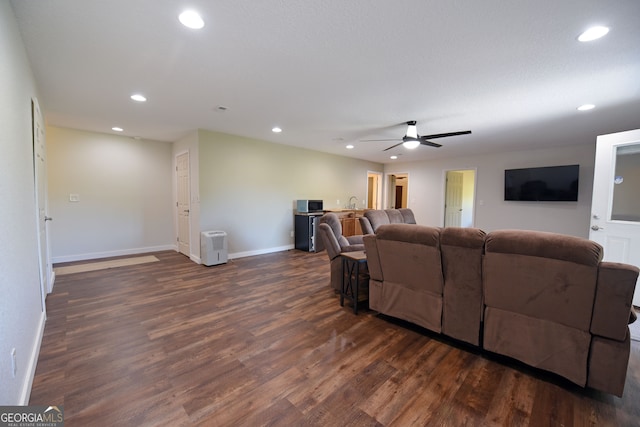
x: 412, y: 140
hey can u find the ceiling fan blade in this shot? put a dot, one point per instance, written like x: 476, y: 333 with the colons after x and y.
x: 429, y: 143
x: 444, y: 135
x: 393, y: 146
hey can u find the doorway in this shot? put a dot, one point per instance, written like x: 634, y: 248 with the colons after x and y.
x: 397, y: 190
x: 459, y: 200
x: 374, y: 190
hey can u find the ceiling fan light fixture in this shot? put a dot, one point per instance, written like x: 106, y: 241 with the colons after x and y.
x: 411, y: 144
x: 412, y: 131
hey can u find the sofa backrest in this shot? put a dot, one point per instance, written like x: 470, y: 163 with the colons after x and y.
x: 330, y: 235
x: 407, y: 216
x: 374, y: 218
x: 462, y: 251
x: 542, y: 275
x: 410, y: 255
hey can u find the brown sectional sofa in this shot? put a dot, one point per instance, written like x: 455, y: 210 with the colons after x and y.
x: 542, y: 298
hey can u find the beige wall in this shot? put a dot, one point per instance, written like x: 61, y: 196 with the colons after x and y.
x: 248, y: 188
x: 426, y: 190
x: 21, y: 313
x: 124, y: 189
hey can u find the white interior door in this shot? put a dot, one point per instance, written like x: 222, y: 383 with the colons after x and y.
x: 453, y: 200
x: 40, y: 178
x: 183, y: 204
x: 615, y: 209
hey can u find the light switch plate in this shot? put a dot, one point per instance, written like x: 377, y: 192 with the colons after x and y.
x: 74, y: 197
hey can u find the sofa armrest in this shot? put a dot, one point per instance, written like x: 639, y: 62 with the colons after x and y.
x: 373, y: 258
x: 613, y: 301
x: 355, y: 240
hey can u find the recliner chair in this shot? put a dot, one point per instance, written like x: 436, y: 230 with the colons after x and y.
x: 330, y: 232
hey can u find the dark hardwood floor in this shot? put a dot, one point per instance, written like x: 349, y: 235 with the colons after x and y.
x: 264, y: 341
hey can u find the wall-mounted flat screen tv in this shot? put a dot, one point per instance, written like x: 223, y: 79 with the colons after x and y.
x: 545, y: 184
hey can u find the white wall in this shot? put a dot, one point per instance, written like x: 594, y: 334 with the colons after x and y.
x: 21, y: 314
x: 248, y: 188
x: 426, y: 190
x: 124, y: 187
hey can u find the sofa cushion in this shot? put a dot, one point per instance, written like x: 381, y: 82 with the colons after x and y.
x: 541, y: 275
x: 410, y: 261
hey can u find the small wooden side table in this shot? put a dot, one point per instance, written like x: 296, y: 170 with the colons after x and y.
x: 352, y: 263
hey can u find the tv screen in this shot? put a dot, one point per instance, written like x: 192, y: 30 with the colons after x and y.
x: 546, y: 184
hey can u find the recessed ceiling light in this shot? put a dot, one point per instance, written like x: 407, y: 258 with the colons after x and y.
x: 138, y: 97
x: 586, y: 107
x: 276, y: 130
x: 191, y: 19
x: 593, y: 33
x: 350, y: 147
x: 393, y: 157
x: 117, y: 129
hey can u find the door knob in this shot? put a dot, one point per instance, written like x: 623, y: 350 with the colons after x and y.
x: 48, y: 218
x: 596, y: 228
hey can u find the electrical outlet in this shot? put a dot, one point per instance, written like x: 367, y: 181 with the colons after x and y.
x: 14, y: 364
x: 291, y: 233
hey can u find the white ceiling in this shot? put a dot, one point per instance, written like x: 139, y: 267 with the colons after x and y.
x: 334, y: 72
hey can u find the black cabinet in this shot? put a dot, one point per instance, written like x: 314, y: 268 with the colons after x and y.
x: 305, y: 231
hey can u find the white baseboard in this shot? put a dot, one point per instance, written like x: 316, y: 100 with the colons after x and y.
x: 108, y: 254
x: 260, y: 252
x: 52, y: 281
x: 32, y: 364
x: 135, y: 251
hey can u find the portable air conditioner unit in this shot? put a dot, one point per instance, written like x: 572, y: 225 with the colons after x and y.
x: 213, y: 247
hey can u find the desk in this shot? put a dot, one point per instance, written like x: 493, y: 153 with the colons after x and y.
x: 352, y: 273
